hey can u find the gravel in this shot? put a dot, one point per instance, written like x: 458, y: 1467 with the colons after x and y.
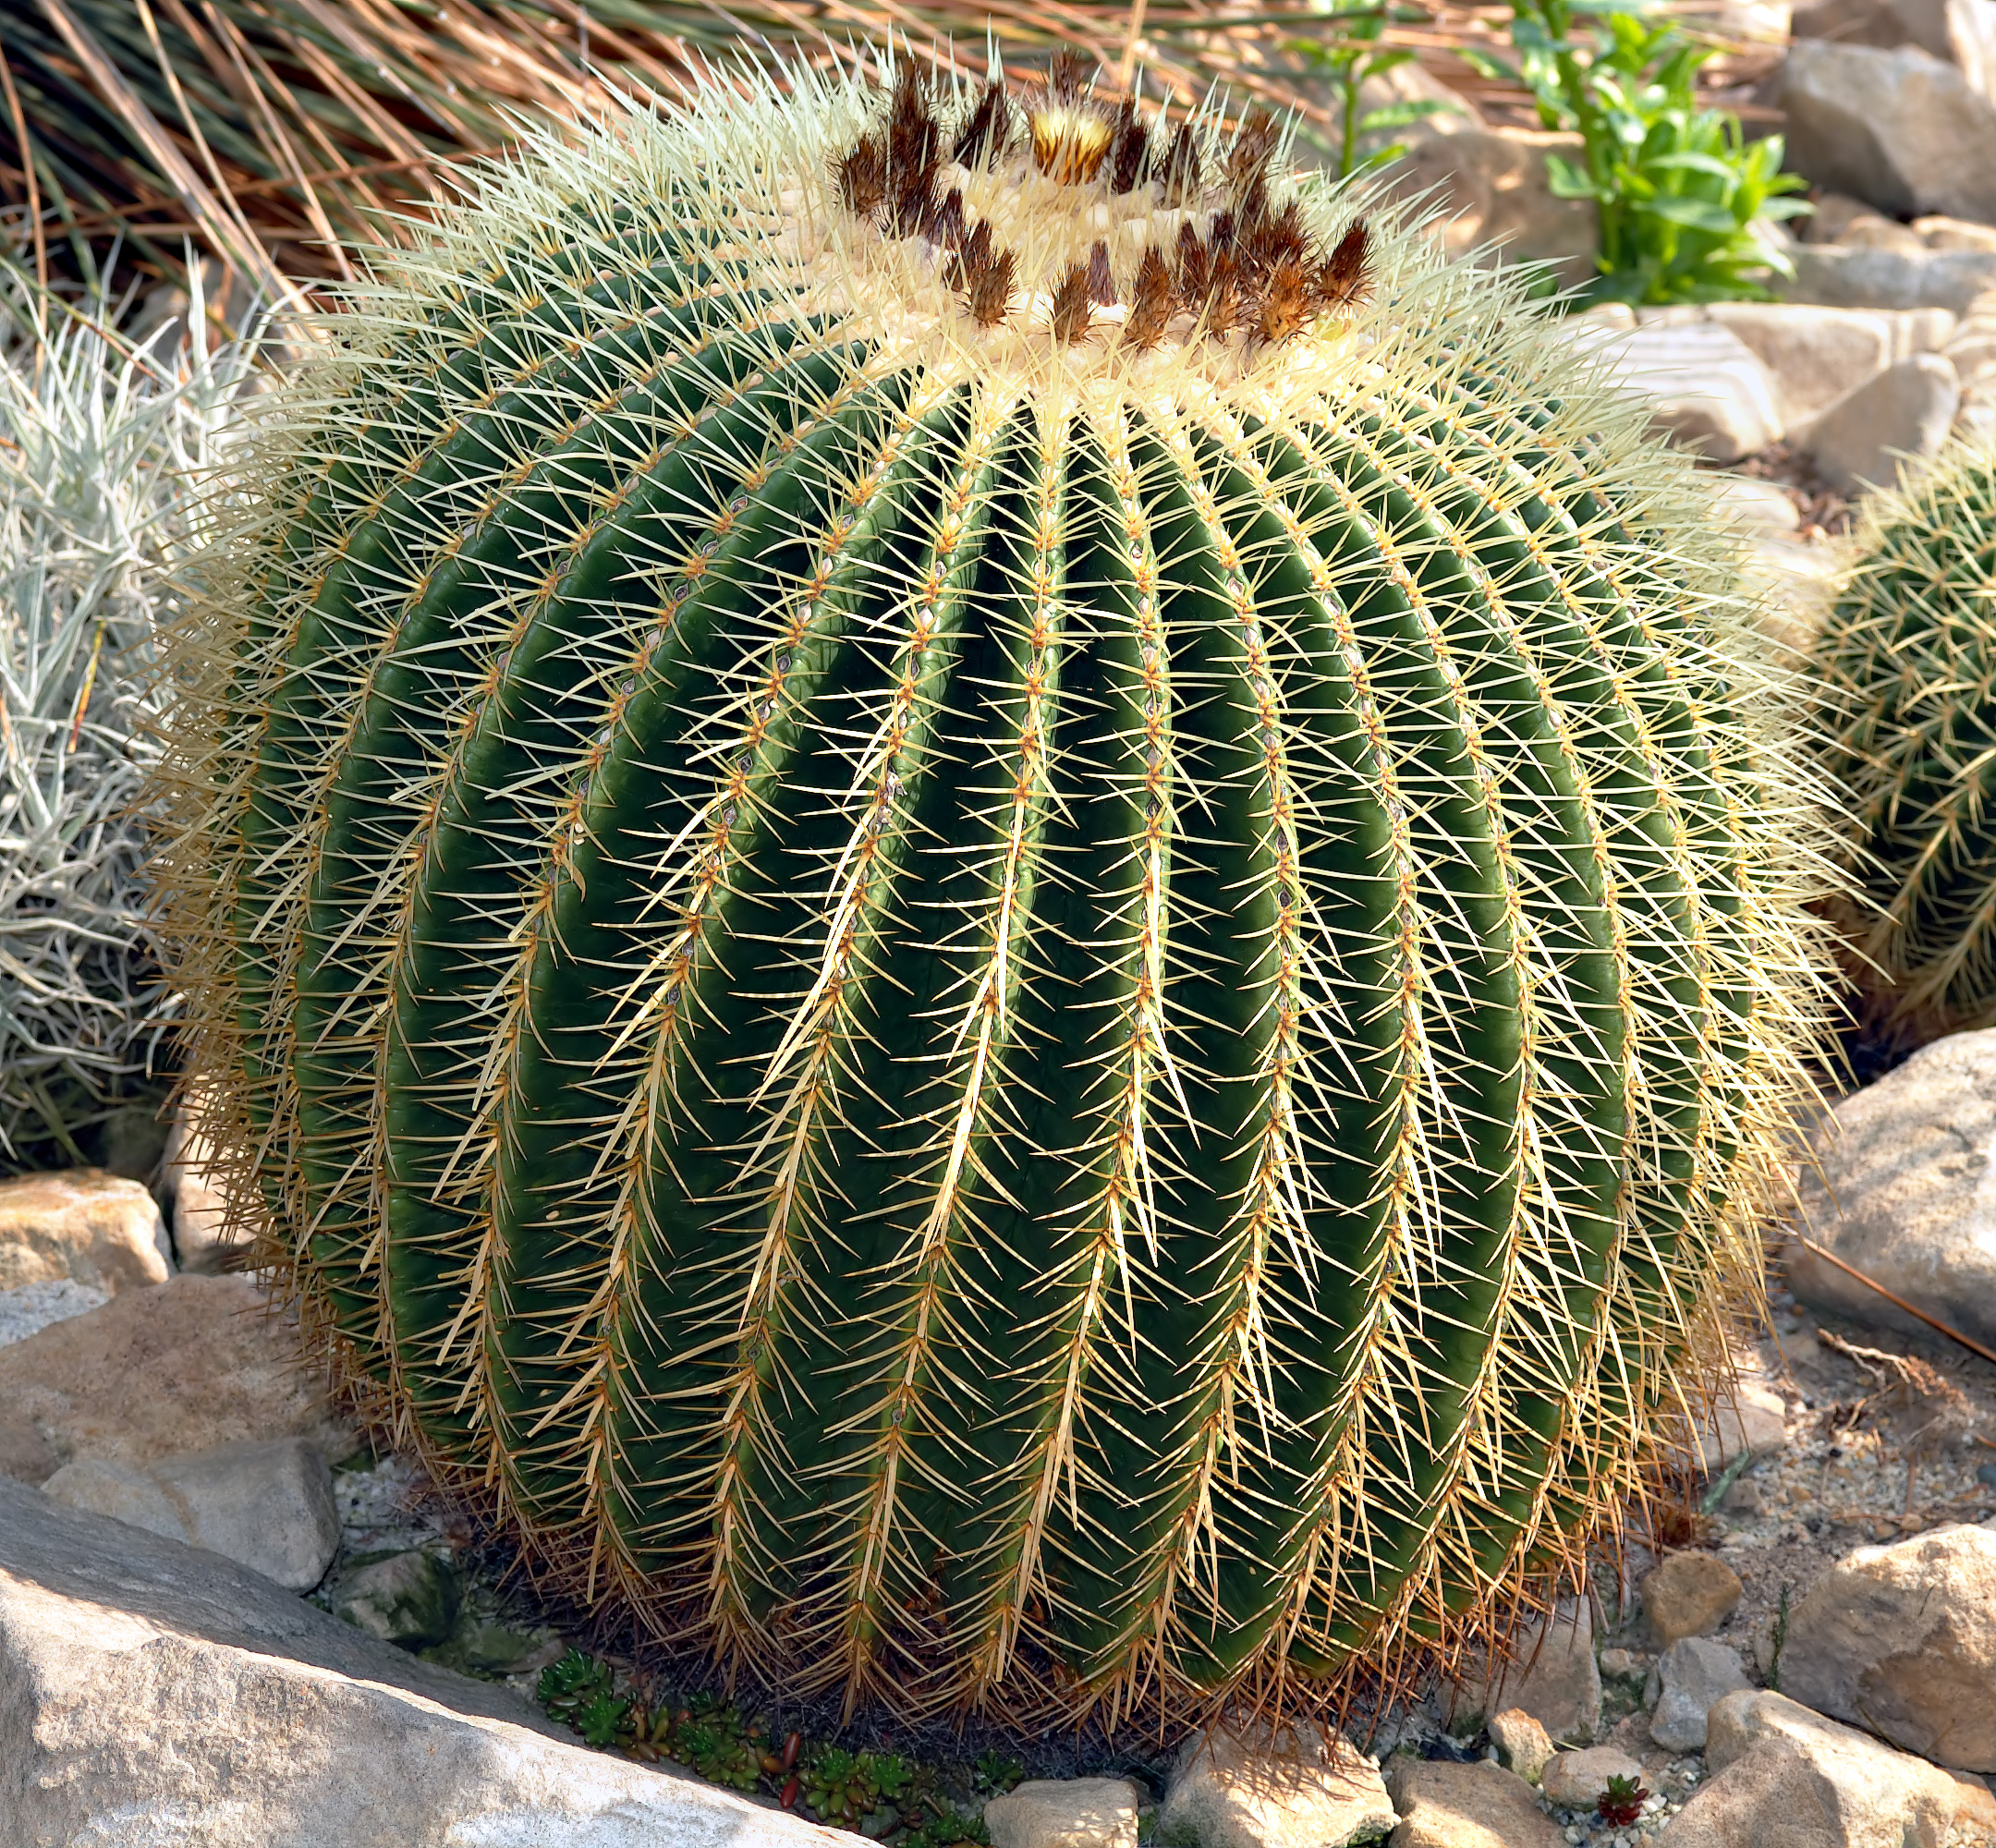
x: 35, y: 1305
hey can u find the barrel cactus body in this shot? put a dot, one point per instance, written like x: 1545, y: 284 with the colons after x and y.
x: 999, y: 910
x: 1907, y: 657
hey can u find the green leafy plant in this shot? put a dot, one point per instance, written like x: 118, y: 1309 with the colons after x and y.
x: 1780, y: 1641
x: 1350, y: 55
x: 1683, y: 198
x: 962, y: 979
x: 1621, y: 1804
x: 1906, y: 661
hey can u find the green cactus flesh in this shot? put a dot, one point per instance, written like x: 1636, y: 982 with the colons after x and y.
x: 1907, y: 658
x: 990, y: 995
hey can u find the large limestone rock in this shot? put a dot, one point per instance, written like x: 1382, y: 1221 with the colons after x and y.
x: 1251, y: 1788
x: 1841, y: 275
x: 1960, y: 33
x: 1066, y: 1813
x: 197, y: 1362
x: 1713, y: 394
x: 1817, y: 354
x: 1478, y: 1805
x: 1868, y: 437
x: 1897, y: 128
x: 1788, y: 1778
x: 1552, y: 1674
x: 150, y: 1695
x: 1902, y: 1188
x: 1489, y: 190
x: 84, y: 1224
x: 267, y: 1506
x: 1902, y: 1639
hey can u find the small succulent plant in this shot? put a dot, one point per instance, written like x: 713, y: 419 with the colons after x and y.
x: 945, y: 1826
x: 996, y: 1772
x: 846, y: 1788
x: 570, y: 1684
x: 1621, y: 1802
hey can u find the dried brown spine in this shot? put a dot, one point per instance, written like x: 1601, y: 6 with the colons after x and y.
x: 984, y: 138
x: 1152, y: 301
x: 1073, y: 314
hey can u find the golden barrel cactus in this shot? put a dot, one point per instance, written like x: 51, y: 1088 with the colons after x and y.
x: 1010, y: 916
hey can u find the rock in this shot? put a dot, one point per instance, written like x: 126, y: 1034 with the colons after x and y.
x: 133, y: 1140
x: 1788, y: 1778
x: 1622, y: 1665
x: 150, y: 1694
x: 1817, y: 354
x: 84, y: 1224
x: 1791, y: 585
x: 204, y: 1238
x: 1897, y: 128
x: 34, y: 1305
x: 409, y: 1599
x: 1066, y: 1813
x: 24, y: 1455
x: 497, y: 1648
x: 1478, y: 1805
x: 1713, y: 394
x: 1298, y: 1788
x: 1489, y: 189
x: 1902, y: 1639
x: 1833, y: 214
x: 1523, y: 1745
x: 196, y: 1362
x: 1902, y: 1187
x: 1959, y: 33
x: 1692, y: 1674
x: 1939, y: 233
x: 1905, y: 411
x: 1749, y: 1416
x: 1575, y: 1779
x: 1757, y: 507
x: 1551, y: 1675
x: 1846, y: 276
x: 268, y: 1506
x: 1689, y: 1595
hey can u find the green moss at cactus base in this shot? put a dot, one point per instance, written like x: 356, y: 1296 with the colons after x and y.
x: 1017, y: 930
x: 1908, y: 659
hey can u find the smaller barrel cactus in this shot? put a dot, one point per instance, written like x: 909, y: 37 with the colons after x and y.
x: 1908, y: 660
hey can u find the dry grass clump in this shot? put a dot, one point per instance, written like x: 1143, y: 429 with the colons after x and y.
x: 99, y: 440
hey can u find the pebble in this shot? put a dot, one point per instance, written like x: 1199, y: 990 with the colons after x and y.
x: 33, y: 1306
